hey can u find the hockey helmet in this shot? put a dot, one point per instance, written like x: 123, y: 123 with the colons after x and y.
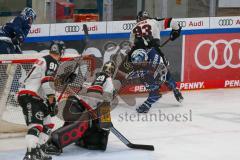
x: 29, y: 13
x: 57, y: 47
x: 109, y: 68
x: 139, y: 55
x: 142, y: 15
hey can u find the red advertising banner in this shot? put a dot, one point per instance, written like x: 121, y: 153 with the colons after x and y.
x: 206, y: 84
x: 211, y: 58
x: 210, y: 61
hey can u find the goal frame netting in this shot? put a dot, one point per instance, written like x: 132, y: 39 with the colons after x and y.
x: 9, y: 66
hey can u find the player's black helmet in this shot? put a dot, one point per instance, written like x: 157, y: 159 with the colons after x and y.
x: 142, y: 15
x: 57, y: 47
x: 109, y: 68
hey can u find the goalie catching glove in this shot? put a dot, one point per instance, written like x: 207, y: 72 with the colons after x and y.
x: 70, y: 78
x: 52, y: 105
x: 65, y: 79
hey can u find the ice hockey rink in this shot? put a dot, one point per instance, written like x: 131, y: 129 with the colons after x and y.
x: 205, y: 127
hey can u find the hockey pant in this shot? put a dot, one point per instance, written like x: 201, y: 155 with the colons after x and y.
x: 36, y: 115
x: 6, y: 47
x: 79, y: 128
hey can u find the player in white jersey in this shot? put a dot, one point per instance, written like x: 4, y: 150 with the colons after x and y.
x: 145, y: 35
x: 38, y: 102
x: 80, y: 127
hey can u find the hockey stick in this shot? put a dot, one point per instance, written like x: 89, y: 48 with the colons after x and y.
x: 113, y: 129
x: 165, y: 42
x: 85, y: 30
x: 128, y: 143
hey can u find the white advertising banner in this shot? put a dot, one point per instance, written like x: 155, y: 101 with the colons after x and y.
x: 120, y: 26
x: 193, y: 23
x: 77, y: 28
x: 225, y: 22
x: 229, y: 3
x: 108, y: 27
x: 39, y: 30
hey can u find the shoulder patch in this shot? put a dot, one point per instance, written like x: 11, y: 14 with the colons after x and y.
x: 167, y: 22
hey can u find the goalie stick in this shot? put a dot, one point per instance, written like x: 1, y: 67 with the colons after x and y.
x: 128, y: 143
x: 114, y: 130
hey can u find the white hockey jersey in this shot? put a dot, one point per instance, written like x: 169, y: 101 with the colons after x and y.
x: 102, y: 84
x: 40, y: 80
x: 151, y: 27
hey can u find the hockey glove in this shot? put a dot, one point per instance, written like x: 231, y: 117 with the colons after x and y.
x: 71, y: 78
x: 17, y: 40
x: 175, y: 33
x: 159, y: 19
x: 52, y: 105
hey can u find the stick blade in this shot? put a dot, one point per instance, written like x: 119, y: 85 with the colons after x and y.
x: 141, y: 146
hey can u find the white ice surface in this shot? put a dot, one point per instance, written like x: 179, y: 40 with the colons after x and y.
x: 213, y: 133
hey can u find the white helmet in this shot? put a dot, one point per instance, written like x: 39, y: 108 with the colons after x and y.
x: 139, y: 55
x: 29, y: 13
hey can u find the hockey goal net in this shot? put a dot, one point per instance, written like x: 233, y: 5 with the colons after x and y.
x: 13, y: 70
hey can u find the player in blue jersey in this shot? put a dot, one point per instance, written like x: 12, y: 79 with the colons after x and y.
x: 146, y: 35
x: 13, y: 33
x: 149, y: 67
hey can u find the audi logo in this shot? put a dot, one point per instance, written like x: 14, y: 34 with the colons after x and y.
x: 128, y: 26
x: 225, y: 22
x: 72, y: 28
x: 182, y: 23
x: 214, y: 54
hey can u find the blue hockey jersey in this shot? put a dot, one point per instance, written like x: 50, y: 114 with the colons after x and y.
x: 17, y: 28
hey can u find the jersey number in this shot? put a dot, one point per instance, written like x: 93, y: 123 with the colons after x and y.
x: 100, y: 78
x: 145, y: 30
x: 53, y: 66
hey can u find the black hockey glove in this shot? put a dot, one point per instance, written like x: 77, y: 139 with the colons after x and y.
x: 71, y: 78
x: 17, y: 40
x: 52, y: 105
x: 159, y: 19
x: 175, y: 33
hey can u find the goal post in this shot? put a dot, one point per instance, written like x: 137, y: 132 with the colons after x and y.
x: 13, y: 70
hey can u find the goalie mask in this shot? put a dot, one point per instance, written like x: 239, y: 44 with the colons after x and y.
x: 57, y: 47
x: 109, y: 68
x: 142, y: 15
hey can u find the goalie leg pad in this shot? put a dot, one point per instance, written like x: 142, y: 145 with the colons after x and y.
x: 68, y: 134
x: 95, y: 138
